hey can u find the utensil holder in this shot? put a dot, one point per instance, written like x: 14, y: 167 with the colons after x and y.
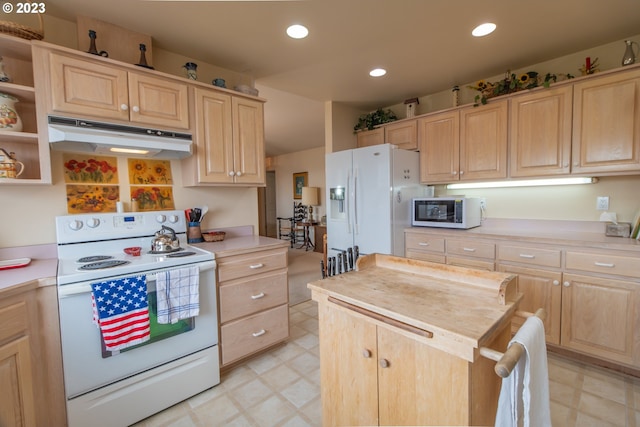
x: 194, y: 234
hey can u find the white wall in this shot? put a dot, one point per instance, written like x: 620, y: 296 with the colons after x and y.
x: 311, y: 161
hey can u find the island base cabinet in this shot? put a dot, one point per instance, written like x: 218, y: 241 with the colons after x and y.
x: 375, y: 374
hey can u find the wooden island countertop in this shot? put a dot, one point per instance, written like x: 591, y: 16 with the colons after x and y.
x: 462, y: 307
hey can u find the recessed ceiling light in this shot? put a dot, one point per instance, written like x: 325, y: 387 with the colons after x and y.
x: 377, y: 72
x: 297, y: 31
x: 483, y: 29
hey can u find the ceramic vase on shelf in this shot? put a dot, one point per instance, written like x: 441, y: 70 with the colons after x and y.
x: 9, y: 118
x: 191, y: 68
x: 3, y: 75
x: 629, y: 54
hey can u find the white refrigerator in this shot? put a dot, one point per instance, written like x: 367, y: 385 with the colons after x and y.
x: 368, y: 198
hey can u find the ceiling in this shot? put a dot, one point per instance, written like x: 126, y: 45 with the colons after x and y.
x: 425, y: 45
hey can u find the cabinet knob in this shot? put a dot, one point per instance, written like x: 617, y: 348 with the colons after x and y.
x: 124, y: 107
x: 566, y: 284
x: 366, y: 353
x: 232, y: 173
x: 384, y: 363
x: 461, y: 172
x: 556, y: 282
x: 238, y: 173
x: 136, y: 109
x: 454, y: 173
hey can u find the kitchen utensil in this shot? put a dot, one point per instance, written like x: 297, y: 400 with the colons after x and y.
x: 163, y: 242
x: 345, y: 261
x: 14, y: 263
x: 133, y: 250
x: 356, y: 254
x: 197, y: 214
x: 204, y: 210
x: 322, y: 272
x: 350, y: 252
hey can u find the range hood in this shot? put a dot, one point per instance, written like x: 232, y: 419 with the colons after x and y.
x: 66, y: 134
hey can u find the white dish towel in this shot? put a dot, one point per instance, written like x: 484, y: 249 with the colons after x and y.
x: 524, y: 397
x: 178, y: 294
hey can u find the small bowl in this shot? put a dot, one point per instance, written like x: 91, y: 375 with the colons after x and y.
x: 214, y: 236
x: 134, y: 250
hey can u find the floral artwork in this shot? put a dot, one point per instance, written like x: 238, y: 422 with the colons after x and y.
x: 92, y: 198
x: 153, y: 198
x: 150, y: 172
x: 79, y: 168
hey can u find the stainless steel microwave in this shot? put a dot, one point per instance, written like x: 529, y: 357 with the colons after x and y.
x: 446, y: 212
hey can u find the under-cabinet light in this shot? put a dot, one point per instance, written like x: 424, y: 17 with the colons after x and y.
x: 524, y: 183
x: 128, y: 150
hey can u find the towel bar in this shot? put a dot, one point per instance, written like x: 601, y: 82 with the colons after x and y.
x: 507, y: 360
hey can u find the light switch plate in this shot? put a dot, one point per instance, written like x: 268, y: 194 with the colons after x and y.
x: 602, y: 203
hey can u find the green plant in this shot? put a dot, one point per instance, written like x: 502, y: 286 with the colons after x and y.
x: 373, y: 119
x: 512, y: 83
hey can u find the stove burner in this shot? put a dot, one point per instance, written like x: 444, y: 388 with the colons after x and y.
x: 164, y: 252
x: 103, y: 264
x: 94, y: 258
x: 180, y: 254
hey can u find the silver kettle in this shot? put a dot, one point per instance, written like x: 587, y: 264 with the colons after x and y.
x: 164, y: 242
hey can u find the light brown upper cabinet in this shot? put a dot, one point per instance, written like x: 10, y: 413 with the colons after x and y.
x: 229, y: 141
x: 465, y: 144
x: 540, y: 132
x: 403, y: 134
x: 365, y: 138
x: 83, y: 86
x: 606, y: 124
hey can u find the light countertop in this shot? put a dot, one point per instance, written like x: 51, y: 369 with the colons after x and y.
x: 41, y: 271
x: 566, y: 233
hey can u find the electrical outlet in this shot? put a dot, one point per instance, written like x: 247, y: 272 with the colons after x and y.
x: 602, y: 203
x: 483, y: 204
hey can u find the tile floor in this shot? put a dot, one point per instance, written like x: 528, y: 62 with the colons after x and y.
x: 282, y: 388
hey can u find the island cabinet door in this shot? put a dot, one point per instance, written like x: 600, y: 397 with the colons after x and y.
x: 348, y: 369
x: 420, y: 385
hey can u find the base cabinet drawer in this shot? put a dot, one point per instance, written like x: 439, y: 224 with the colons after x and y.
x: 234, y: 267
x: 251, y: 334
x: 471, y: 248
x: 603, y: 263
x: 250, y: 296
x: 530, y: 255
x: 424, y: 243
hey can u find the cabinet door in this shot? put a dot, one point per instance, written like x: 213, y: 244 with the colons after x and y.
x: 599, y: 317
x: 79, y: 87
x: 540, y: 125
x: 606, y: 124
x: 420, y: 385
x: 438, y: 139
x: 404, y: 134
x: 348, y: 368
x: 541, y: 289
x: 157, y: 101
x: 17, y: 406
x: 214, y: 136
x: 367, y: 138
x: 483, y: 141
x: 248, y: 141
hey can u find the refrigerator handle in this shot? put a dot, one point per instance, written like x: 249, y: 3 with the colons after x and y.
x: 355, y: 201
x: 348, y: 197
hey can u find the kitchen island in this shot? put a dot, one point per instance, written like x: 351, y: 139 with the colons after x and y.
x: 400, y: 339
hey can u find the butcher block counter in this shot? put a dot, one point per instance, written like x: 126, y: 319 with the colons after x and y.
x: 400, y: 339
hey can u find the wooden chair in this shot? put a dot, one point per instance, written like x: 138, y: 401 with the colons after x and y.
x: 290, y: 228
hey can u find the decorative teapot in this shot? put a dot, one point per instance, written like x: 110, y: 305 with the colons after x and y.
x: 165, y: 243
x: 9, y: 165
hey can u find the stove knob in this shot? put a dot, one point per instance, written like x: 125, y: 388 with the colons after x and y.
x: 93, y: 222
x: 173, y: 219
x: 75, y: 225
x: 161, y: 218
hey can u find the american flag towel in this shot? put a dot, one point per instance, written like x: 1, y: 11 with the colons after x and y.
x: 178, y: 294
x: 121, y: 311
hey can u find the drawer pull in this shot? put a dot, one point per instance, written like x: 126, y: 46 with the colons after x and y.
x: 469, y: 249
x: 259, y: 333
x: 527, y: 256
x: 366, y: 353
x: 260, y: 295
x: 423, y: 244
x: 604, y: 264
x: 254, y: 266
x: 384, y: 363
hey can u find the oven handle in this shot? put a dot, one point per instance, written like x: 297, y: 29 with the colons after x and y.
x: 85, y: 287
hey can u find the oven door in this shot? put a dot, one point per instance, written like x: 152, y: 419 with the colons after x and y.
x: 87, y: 367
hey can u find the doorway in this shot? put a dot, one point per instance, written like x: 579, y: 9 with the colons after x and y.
x: 267, y: 207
